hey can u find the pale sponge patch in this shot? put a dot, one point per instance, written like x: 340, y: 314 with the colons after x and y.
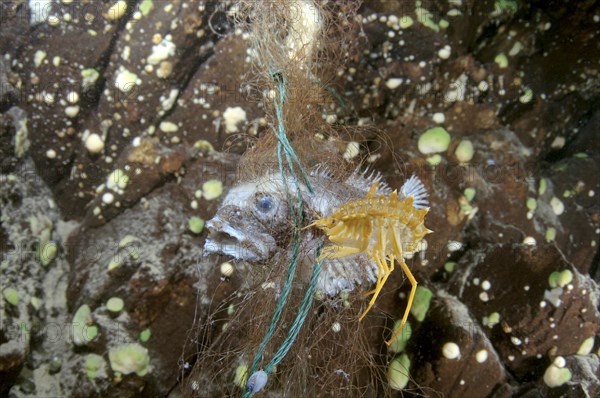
x: 306, y: 25
x: 232, y: 117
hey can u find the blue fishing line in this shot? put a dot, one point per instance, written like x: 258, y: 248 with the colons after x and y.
x: 294, y: 329
x: 284, y: 148
x: 300, y: 318
x: 283, y: 140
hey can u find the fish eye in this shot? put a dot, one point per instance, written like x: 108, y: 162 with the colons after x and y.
x: 265, y: 203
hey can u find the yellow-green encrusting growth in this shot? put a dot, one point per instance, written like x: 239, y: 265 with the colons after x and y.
x: 84, y: 331
x: 11, y: 295
x: 115, y: 304
x: 586, y: 347
x: 196, y: 224
x: 501, y: 60
x: 560, y: 278
x: 469, y: 193
x: 557, y: 374
x: 129, y: 358
x: 399, y: 343
x: 421, y: 303
x: 434, y: 140
x: 449, y: 266
x: 94, y: 366
x: 398, y: 372
x: 492, y: 320
x: 464, y: 151
x: 212, y: 189
x: 145, y: 335
x: 241, y: 376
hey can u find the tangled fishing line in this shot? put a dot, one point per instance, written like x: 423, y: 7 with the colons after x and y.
x: 250, y: 338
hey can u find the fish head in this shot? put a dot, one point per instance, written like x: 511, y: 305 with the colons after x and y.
x: 250, y: 221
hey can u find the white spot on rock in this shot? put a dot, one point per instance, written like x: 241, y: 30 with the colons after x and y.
x: 73, y: 97
x: 439, y: 118
x: 116, y: 11
x: 530, y: 241
x: 94, y: 144
x: 481, y: 356
x: 454, y: 246
x: 72, y: 111
x: 558, y: 142
x: 233, y: 117
x: 108, y: 198
x: 168, y: 127
x: 125, y: 80
x: 451, y: 350
x: 162, y: 51
x: 445, y: 52
x: 394, y: 83
x: 39, y: 57
x: 557, y: 206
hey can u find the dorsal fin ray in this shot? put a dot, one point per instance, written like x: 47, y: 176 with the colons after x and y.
x: 322, y: 170
x: 364, y: 180
x: 413, y: 187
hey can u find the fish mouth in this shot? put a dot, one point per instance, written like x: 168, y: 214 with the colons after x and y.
x: 244, y: 241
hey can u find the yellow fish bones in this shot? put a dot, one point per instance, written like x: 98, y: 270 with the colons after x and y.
x: 379, y: 226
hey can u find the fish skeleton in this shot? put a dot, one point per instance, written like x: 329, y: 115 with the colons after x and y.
x: 253, y: 222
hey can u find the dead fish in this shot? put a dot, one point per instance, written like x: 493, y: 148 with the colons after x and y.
x: 254, y: 221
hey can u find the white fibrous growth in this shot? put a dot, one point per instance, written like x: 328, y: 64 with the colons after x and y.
x: 306, y: 25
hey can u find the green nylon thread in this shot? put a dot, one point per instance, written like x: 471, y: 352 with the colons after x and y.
x: 299, y: 321
x: 283, y: 140
x: 284, y: 146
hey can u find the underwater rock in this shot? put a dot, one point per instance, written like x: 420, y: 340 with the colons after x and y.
x: 12, y: 359
x: 159, y: 264
x: 517, y: 79
x: 534, y: 319
x: 455, y: 356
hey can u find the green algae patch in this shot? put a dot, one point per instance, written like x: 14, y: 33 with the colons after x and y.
x: 421, y: 303
x: 129, y: 358
x: 434, y: 140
